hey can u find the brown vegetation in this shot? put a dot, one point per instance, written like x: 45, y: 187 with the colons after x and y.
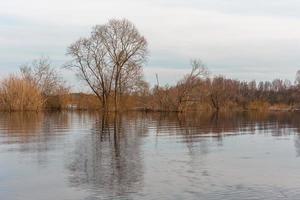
x: 20, y: 94
x: 82, y: 101
x: 37, y: 87
x: 49, y: 83
x: 195, y: 92
x: 110, y: 62
x: 220, y: 93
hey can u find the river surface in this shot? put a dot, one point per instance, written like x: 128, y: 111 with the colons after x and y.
x: 88, y: 156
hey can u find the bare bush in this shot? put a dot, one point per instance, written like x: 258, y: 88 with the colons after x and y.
x: 46, y: 78
x: 178, y: 98
x: 19, y: 94
x: 186, y: 87
x: 48, y: 81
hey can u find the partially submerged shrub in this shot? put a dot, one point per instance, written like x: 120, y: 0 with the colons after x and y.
x: 83, y: 101
x: 259, y: 105
x: 49, y: 81
x: 19, y: 94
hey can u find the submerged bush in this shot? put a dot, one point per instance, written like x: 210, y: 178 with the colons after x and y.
x: 259, y: 105
x: 19, y: 94
x: 48, y: 81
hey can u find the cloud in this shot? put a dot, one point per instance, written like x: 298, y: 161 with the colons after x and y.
x: 241, y: 39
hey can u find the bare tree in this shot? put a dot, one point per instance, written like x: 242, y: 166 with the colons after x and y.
x: 44, y: 76
x: 190, y: 82
x: 92, y: 65
x: 110, y: 58
x: 217, y: 92
x: 132, y: 79
x: 179, y: 97
x: 297, y: 79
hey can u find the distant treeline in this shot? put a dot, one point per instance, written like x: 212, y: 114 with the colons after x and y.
x: 220, y: 93
x: 110, y: 62
x: 39, y: 87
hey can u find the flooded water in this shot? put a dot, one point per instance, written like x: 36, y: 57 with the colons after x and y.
x: 87, y: 156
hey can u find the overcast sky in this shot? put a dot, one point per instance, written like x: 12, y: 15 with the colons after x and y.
x: 243, y: 39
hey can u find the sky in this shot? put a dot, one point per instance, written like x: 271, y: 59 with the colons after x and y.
x: 240, y: 39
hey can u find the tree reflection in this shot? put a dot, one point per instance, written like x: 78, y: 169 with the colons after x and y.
x: 33, y: 132
x: 25, y: 124
x: 110, y: 159
x: 297, y: 145
x: 195, y: 128
x: 226, y: 124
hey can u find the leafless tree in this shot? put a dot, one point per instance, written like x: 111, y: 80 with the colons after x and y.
x: 44, y: 76
x: 91, y: 62
x: 110, y: 59
x: 180, y: 96
x: 190, y: 82
x: 132, y: 80
x: 297, y: 79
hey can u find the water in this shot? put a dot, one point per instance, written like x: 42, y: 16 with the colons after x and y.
x: 70, y: 156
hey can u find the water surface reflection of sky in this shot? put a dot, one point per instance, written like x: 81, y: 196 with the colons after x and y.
x: 81, y: 155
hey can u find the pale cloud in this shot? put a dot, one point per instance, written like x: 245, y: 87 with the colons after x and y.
x: 241, y: 39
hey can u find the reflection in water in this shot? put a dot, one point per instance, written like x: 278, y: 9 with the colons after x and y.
x: 297, y: 145
x: 110, y: 160
x: 32, y: 132
x: 29, y: 126
x: 222, y: 124
x: 81, y: 155
x: 21, y: 124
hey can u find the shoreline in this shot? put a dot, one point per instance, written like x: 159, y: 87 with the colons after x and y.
x: 148, y: 110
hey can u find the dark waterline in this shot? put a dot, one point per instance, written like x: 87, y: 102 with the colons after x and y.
x: 73, y: 155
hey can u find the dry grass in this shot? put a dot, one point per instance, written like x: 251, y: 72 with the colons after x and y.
x: 19, y: 94
x: 259, y: 105
x: 83, y: 101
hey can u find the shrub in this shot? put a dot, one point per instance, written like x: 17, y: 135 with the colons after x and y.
x: 259, y: 105
x: 19, y: 94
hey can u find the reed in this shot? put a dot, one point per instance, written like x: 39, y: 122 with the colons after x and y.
x: 19, y: 94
